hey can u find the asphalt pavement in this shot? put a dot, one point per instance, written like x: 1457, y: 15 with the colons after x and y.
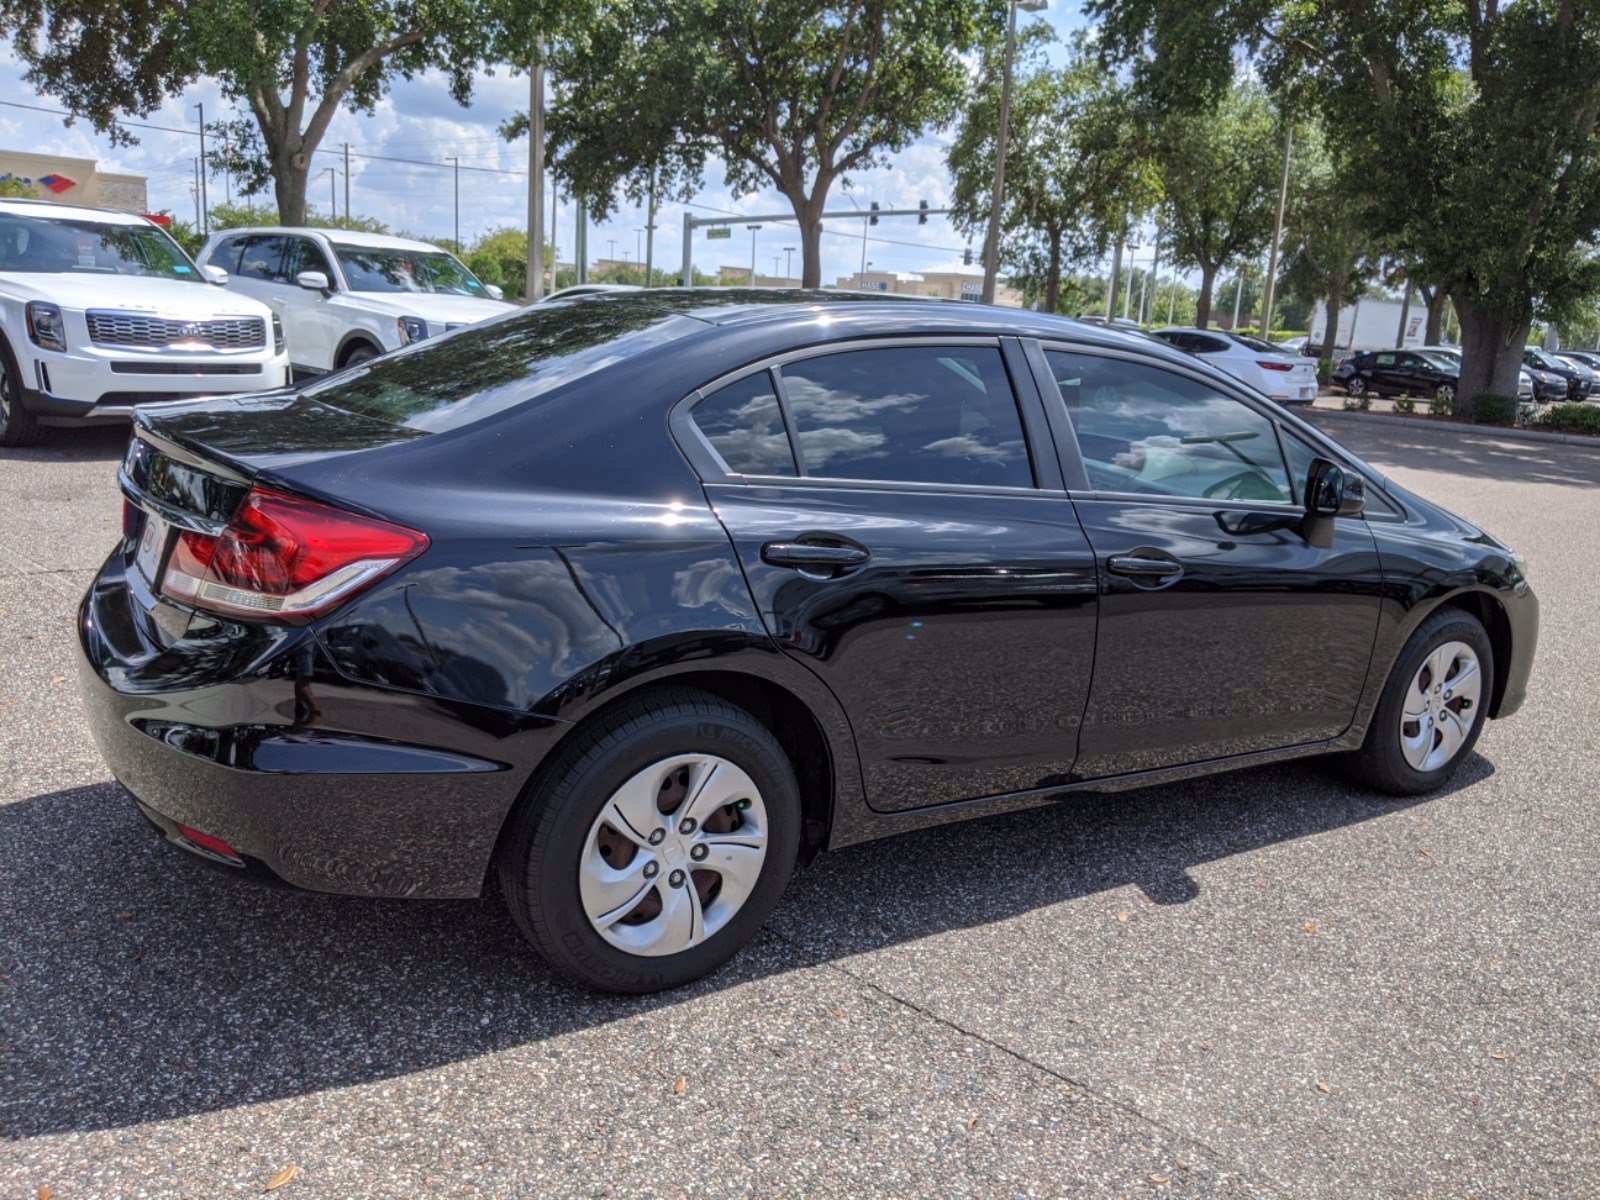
x: 1263, y: 984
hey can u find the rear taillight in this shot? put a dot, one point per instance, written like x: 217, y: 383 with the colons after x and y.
x: 1273, y: 366
x: 284, y: 558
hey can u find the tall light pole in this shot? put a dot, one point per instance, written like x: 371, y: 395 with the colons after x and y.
x: 347, y: 181
x: 788, y: 263
x: 1127, y: 292
x: 752, y: 229
x: 1155, y: 284
x: 1277, y: 236
x: 533, y: 286
x: 205, y: 205
x: 650, y: 234
x: 333, y: 190
x: 991, y: 243
x: 456, y: 164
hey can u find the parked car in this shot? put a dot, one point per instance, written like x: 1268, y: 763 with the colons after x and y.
x: 1284, y: 376
x: 1588, y: 360
x: 1399, y: 373
x: 101, y: 311
x: 347, y: 297
x: 1527, y: 388
x: 589, y: 289
x: 622, y: 607
x: 1581, y: 382
x: 1294, y: 345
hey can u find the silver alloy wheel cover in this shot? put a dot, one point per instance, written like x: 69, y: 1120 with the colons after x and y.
x: 1441, y: 706
x: 610, y: 895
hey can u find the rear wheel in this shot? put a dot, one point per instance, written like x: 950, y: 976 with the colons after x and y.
x: 1445, y: 393
x: 1356, y: 385
x: 1432, y: 708
x: 656, y: 845
x: 18, y: 426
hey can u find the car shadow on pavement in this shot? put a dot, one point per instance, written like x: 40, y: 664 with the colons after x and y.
x: 93, y: 443
x: 1472, y: 451
x: 144, y: 986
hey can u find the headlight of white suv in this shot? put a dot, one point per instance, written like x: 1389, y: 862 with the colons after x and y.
x: 45, y: 326
x: 412, y: 329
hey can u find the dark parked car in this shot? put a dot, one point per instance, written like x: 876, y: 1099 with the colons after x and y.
x: 624, y: 604
x: 1581, y: 382
x: 1399, y: 373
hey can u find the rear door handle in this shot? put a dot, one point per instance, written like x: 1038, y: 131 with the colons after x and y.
x: 813, y: 556
x: 1139, y: 566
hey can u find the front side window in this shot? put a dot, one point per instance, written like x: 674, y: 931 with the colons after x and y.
x: 381, y: 269
x: 1148, y: 431
x: 305, y: 255
x: 261, y: 258
x: 744, y: 425
x: 56, y: 245
x: 912, y: 414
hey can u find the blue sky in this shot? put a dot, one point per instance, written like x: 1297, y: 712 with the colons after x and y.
x: 419, y: 120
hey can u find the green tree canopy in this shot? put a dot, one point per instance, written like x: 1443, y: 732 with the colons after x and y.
x: 788, y: 94
x: 291, y: 63
x: 1075, y: 170
x: 1329, y: 255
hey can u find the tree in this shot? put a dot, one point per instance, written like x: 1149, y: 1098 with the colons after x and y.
x: 789, y: 94
x: 1217, y: 169
x: 1471, y: 122
x: 291, y: 63
x: 1327, y: 248
x: 1075, y: 170
x: 12, y: 188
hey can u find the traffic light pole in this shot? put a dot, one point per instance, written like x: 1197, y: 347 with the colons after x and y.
x: 690, y: 224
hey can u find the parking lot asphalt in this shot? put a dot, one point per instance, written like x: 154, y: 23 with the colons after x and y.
x: 1263, y: 984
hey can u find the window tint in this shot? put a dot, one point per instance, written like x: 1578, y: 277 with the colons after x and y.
x: 261, y: 258
x: 745, y: 426
x: 919, y: 414
x: 1300, y: 456
x: 1153, y: 432
x: 1208, y: 345
x: 1384, y: 360
x: 226, y: 255
x: 304, y: 255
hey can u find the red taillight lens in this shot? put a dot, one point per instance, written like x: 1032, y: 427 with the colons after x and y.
x: 1273, y: 366
x: 206, y: 842
x: 286, y: 558
x: 132, y: 517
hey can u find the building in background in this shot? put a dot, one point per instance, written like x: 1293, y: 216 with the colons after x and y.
x: 946, y: 281
x: 75, y: 181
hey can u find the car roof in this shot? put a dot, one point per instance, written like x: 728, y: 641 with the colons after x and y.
x: 72, y: 212
x: 348, y: 237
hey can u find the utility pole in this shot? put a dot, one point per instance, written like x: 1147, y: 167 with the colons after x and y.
x: 205, y: 207
x: 1155, y: 286
x: 991, y: 242
x: 752, y: 229
x: 1116, y: 276
x: 347, y: 181
x: 1277, y: 236
x: 788, y: 263
x: 1238, y: 295
x: 1172, y: 299
x: 1127, y: 292
x: 195, y: 188
x: 1144, y: 286
x: 650, y: 234
x: 333, y: 192
x: 534, y: 288
x: 580, y: 249
x: 456, y: 164
x: 1405, y: 315
x: 227, y: 170
x: 555, y: 242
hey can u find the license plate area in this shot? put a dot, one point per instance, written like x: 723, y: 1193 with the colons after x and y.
x: 153, y: 540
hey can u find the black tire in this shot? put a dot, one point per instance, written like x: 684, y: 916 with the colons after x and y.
x: 1380, y: 763
x: 357, y: 354
x: 1445, y: 393
x: 538, y: 859
x: 1355, y: 386
x: 18, y: 426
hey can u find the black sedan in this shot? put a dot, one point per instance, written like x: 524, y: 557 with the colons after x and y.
x: 624, y: 605
x: 1398, y: 373
x: 1581, y: 381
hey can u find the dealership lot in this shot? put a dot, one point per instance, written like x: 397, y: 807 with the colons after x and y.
x: 1265, y: 984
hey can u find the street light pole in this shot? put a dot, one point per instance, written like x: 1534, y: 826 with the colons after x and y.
x: 991, y: 242
x: 788, y: 263
x: 456, y: 164
x: 1277, y: 236
x: 533, y: 276
x: 752, y: 229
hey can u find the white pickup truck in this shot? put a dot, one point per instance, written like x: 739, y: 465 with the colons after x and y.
x: 101, y: 311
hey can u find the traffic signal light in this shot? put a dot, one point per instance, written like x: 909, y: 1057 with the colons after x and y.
x: 873, y: 219
x: 922, y: 217
x: 966, y: 257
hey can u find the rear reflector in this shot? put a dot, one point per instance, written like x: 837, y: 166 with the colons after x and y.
x: 206, y: 842
x: 1274, y: 366
x: 284, y: 558
x: 132, y: 516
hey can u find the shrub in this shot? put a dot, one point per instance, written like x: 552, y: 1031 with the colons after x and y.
x: 1325, y: 368
x: 1405, y: 405
x: 1571, y: 418
x: 1491, y: 409
x: 1441, y: 406
x: 1362, y: 403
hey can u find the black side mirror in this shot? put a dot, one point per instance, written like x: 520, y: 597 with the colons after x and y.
x: 1331, y: 492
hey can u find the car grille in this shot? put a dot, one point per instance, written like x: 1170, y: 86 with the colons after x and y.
x: 136, y: 329
x: 185, y: 368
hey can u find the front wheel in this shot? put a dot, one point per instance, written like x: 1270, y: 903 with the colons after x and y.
x: 1445, y: 393
x: 18, y: 426
x: 656, y: 844
x: 1432, y: 709
x: 1355, y: 386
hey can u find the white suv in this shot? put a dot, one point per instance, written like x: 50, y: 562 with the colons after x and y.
x: 346, y: 297
x: 101, y: 310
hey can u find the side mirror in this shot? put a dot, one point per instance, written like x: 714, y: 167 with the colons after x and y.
x: 1331, y: 492
x: 313, y: 281
x: 496, y: 292
x: 215, y: 275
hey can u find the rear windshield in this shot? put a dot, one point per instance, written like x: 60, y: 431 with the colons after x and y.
x: 1256, y: 344
x: 487, y: 368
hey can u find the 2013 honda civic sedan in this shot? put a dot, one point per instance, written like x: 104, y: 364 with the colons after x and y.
x: 625, y: 604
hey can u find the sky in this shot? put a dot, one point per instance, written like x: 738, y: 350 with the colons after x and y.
x: 419, y: 120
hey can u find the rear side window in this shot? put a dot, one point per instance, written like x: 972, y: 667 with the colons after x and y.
x: 304, y: 255
x: 744, y: 425
x: 261, y: 258
x: 1148, y: 431
x: 909, y: 414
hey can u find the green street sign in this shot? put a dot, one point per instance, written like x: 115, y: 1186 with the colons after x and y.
x: 718, y: 231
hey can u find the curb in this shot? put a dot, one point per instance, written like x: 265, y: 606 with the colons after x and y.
x: 1495, y: 431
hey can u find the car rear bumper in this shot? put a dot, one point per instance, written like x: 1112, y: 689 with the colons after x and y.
x: 249, y: 736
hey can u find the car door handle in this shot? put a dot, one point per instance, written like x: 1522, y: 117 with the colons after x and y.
x: 1139, y: 566
x: 813, y: 555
